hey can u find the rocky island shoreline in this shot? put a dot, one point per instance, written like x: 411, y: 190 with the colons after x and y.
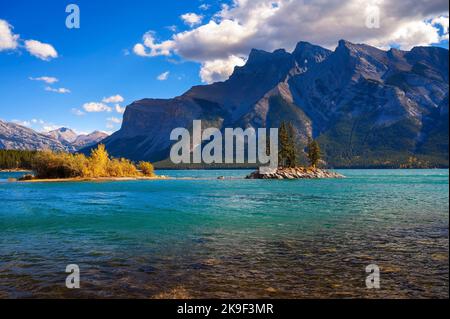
x: 295, y: 173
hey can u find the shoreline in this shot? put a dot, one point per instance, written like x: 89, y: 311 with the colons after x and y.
x: 98, y: 179
x: 15, y: 170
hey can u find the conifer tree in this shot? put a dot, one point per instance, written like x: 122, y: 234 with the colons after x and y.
x: 292, y: 154
x: 314, y: 155
x: 287, y: 156
x: 283, y: 141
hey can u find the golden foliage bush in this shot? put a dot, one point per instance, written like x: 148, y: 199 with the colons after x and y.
x: 48, y: 164
x: 146, y: 168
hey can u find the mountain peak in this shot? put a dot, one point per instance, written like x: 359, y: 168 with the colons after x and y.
x: 306, y: 53
x: 302, y: 45
x: 345, y: 43
x: 261, y: 56
x: 63, y: 134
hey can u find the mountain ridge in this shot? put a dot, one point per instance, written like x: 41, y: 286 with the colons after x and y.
x: 17, y: 137
x: 366, y: 106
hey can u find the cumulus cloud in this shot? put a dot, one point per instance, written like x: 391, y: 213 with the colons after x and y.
x: 96, y: 107
x: 43, y: 51
x: 271, y: 24
x: 114, y: 120
x: 113, y: 99
x: 217, y: 70
x: 57, y: 90
x: 163, y: 76
x: 442, y: 22
x: 119, y: 109
x: 149, y: 48
x: 8, y: 40
x: 46, y: 79
x: 192, y: 19
x: 111, y: 122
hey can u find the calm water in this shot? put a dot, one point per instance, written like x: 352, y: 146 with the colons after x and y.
x: 232, y: 238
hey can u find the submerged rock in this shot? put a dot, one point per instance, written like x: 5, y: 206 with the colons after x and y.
x: 294, y: 173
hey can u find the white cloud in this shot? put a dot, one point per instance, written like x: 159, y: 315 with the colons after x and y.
x: 272, y: 24
x: 217, y: 70
x: 8, y: 40
x: 172, y: 28
x: 58, y: 90
x: 77, y: 112
x: 96, y: 107
x: 119, y: 109
x: 416, y: 33
x: 41, y: 50
x: 204, y: 7
x: 46, y: 79
x: 114, y: 120
x: 150, y: 49
x: 40, y: 125
x: 111, y: 122
x: 443, y: 22
x: 192, y: 19
x: 163, y: 76
x: 113, y: 99
x: 50, y: 127
x: 37, y: 121
x: 22, y: 123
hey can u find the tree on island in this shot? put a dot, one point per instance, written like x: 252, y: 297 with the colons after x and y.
x: 314, y: 155
x: 287, y: 152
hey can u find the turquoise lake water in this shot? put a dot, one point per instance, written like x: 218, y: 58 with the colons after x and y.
x: 209, y: 238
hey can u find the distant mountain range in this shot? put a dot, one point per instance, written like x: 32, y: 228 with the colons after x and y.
x: 367, y: 107
x: 17, y: 137
x: 71, y: 140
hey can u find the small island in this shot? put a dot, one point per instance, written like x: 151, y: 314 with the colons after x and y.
x: 294, y: 173
x: 287, y: 157
x: 51, y: 166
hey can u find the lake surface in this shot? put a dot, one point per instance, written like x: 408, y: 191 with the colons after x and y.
x: 233, y: 238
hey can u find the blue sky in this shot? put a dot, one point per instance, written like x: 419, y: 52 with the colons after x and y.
x: 159, y: 49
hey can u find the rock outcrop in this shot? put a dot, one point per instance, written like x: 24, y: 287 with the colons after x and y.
x: 295, y: 173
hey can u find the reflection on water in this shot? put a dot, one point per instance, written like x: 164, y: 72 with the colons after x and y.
x: 228, y: 239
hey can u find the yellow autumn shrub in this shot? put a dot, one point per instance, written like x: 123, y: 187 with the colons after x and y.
x: 49, y: 164
x: 146, y: 168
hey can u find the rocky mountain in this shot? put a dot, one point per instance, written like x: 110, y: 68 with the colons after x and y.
x: 86, y: 140
x: 64, y: 135
x: 75, y: 142
x: 14, y: 136
x: 17, y: 137
x: 367, y: 107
